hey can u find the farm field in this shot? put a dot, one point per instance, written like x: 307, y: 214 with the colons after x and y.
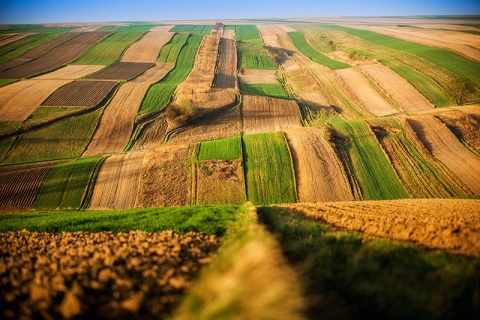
x: 268, y: 168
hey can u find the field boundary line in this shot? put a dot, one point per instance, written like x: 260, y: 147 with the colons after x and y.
x: 87, y: 198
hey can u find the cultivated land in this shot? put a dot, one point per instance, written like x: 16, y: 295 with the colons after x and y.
x: 200, y: 117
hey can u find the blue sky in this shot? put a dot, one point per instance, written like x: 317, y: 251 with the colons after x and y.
x: 36, y: 11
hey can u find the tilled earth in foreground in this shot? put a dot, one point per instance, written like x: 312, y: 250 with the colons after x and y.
x: 80, y: 274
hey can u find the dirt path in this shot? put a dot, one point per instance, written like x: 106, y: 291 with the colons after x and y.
x: 449, y: 224
x: 18, y: 100
x: 398, y: 89
x: 226, y: 71
x: 318, y: 172
x: 444, y: 146
x: 166, y: 177
x: 262, y: 114
x: 117, y: 182
x: 148, y: 48
x: 363, y: 90
x: 116, y: 124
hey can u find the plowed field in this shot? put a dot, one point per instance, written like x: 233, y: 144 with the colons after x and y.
x: 117, y: 121
x: 444, y: 146
x: 366, y: 94
x: 117, y: 183
x: 226, y: 71
x: 166, y: 177
x: 450, y: 224
x: 258, y: 76
x: 147, y: 48
x: 70, y: 72
x: 98, y: 275
x: 18, y: 100
x: 18, y: 186
x: 262, y: 114
x: 122, y: 71
x: 80, y: 93
x: 56, y: 57
x: 318, y: 172
x: 401, y: 91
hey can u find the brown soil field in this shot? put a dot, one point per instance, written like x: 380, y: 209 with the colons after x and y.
x: 269, y: 34
x: 262, y: 114
x: 465, y: 44
x: 83, y: 275
x: 152, y: 134
x: 58, y: 56
x: 226, y: 71
x: 363, y: 90
x: 12, y: 37
x: 117, y: 182
x: 166, y: 177
x: 466, y: 125
x: 201, y: 77
x: 219, y: 126
x: 122, y: 71
x: 448, y: 224
x: 18, y: 100
x: 444, y: 146
x: 317, y: 170
x: 397, y: 88
x: 70, y: 72
x: 258, y: 76
x: 80, y: 93
x: 227, y: 174
x: 148, y: 47
x: 116, y: 124
x: 19, y: 185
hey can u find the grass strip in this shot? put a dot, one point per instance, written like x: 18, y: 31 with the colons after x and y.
x: 223, y: 149
x: 273, y: 90
x: 170, y: 51
x: 200, y: 30
x: 301, y: 44
x: 253, y: 56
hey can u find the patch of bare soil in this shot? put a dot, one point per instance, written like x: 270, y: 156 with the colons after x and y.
x: 81, y: 93
x: 148, y: 48
x: 464, y: 125
x: 258, y: 76
x: 122, y: 71
x: 84, y: 275
x: 226, y: 70
x: 449, y: 224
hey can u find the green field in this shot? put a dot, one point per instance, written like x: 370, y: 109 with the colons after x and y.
x: 223, y: 149
x: 200, y: 30
x: 302, y: 45
x: 65, y: 185
x: 268, y: 169
x: 42, y: 114
x: 65, y: 139
x: 16, y: 49
x: 109, y: 50
x: 268, y: 90
x: 252, y: 56
x: 170, y: 51
x: 372, y: 170
x: 248, y: 34
x: 206, y: 219
x: 159, y: 93
x: 374, y: 278
x: 4, y: 82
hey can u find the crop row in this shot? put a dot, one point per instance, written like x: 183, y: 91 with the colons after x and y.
x: 171, y: 50
x: 200, y: 30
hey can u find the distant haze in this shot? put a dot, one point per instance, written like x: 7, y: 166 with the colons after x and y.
x: 44, y: 11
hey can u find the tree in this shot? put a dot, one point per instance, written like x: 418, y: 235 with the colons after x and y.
x: 460, y: 89
x: 180, y: 112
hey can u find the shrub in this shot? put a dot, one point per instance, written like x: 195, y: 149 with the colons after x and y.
x: 181, y: 112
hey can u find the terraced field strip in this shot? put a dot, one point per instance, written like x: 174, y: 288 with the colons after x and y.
x: 65, y: 139
x: 201, y: 30
x: 116, y: 124
x: 318, y: 172
x: 56, y: 57
x: 266, y: 90
x: 258, y: 76
x: 69, y: 72
x: 420, y: 173
x: 80, y: 93
x: 18, y: 100
x: 226, y: 71
x: 160, y: 93
x: 301, y: 43
x: 19, y: 185
x: 166, y: 177
x: 171, y: 50
x: 9, y: 38
x: 368, y: 167
x: 449, y: 224
x: 464, y: 125
x: 122, y: 71
x: 262, y: 114
x: 366, y: 94
x: 251, y: 53
x: 117, y: 182
x: 444, y: 146
x: 65, y: 184
x: 268, y: 169
x: 223, y: 149
x: 148, y: 48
